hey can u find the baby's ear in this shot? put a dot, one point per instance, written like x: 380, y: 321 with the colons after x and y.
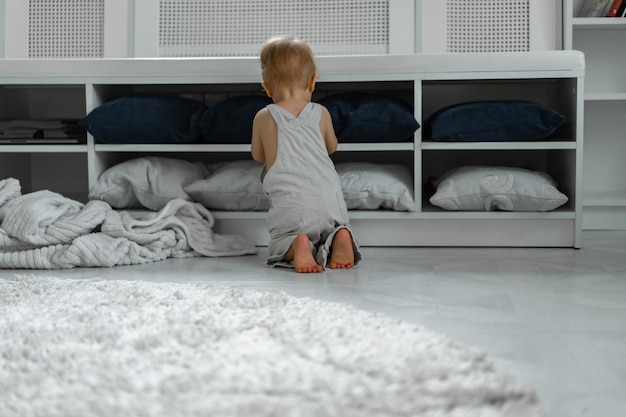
x: 267, y: 89
x: 312, y: 83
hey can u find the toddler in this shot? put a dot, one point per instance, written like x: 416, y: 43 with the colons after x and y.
x: 308, y: 219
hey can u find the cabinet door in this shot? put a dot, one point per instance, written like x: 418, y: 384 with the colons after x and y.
x: 342, y: 27
x: 490, y: 25
x: 84, y: 29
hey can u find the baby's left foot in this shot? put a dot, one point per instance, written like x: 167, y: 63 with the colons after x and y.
x: 342, y: 254
x: 303, y: 260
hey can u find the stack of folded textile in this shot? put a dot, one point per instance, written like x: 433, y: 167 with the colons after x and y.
x: 40, y: 129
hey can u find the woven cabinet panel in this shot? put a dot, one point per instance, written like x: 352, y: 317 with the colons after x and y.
x: 239, y: 27
x: 66, y: 28
x: 488, y: 25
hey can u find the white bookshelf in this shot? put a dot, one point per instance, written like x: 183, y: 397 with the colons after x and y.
x: 601, y: 39
x: 72, y: 88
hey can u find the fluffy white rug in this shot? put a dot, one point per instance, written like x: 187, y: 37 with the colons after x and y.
x: 123, y: 348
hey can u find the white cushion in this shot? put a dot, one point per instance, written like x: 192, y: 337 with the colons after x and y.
x: 480, y: 188
x: 231, y: 186
x: 149, y: 182
x: 368, y: 186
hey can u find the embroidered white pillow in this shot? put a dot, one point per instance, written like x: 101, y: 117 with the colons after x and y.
x: 480, y: 188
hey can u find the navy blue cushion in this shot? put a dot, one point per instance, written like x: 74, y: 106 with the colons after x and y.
x: 231, y: 120
x: 145, y: 119
x: 493, y: 121
x: 365, y: 118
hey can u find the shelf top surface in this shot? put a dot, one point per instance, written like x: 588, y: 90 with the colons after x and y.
x: 246, y: 69
x: 598, y: 23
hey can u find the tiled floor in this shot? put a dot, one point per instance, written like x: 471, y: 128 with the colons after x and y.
x: 555, y: 319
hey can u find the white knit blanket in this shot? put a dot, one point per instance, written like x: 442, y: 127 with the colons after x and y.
x: 45, y: 230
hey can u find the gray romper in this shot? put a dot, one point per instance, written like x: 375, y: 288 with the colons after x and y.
x: 304, y: 188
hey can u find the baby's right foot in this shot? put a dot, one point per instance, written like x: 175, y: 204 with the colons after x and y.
x: 303, y: 260
x: 342, y: 254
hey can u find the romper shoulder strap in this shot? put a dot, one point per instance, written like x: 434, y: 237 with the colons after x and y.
x: 278, y: 113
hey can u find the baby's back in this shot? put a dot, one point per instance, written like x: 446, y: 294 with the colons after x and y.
x: 302, y: 165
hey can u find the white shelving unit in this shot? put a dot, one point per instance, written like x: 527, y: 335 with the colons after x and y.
x: 32, y: 89
x: 602, y: 41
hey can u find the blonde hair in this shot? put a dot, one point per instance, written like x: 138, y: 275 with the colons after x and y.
x: 287, y: 61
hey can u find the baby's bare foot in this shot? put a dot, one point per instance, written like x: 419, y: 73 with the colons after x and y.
x: 342, y: 254
x: 303, y: 260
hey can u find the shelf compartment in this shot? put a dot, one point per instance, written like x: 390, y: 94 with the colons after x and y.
x: 558, y: 163
x: 605, y: 57
x: 33, y: 170
x: 559, y: 94
x: 604, y: 148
